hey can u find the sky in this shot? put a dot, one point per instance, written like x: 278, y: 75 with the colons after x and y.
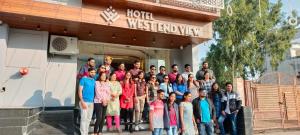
x: 287, y: 6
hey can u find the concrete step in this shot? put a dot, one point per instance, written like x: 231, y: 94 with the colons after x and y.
x: 18, y: 112
x: 18, y: 121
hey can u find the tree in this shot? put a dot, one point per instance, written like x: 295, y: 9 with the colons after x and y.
x: 246, y: 38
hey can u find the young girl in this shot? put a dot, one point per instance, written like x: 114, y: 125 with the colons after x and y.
x: 126, y: 101
x: 179, y: 88
x: 102, y: 97
x: 141, y: 95
x: 113, y: 107
x: 186, y: 115
x: 171, y: 115
x: 192, y: 86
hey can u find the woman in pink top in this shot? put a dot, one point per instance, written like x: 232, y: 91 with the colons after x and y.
x: 126, y: 100
x: 102, y: 96
x: 121, y: 72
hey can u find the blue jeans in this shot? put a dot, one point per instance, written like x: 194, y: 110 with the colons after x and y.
x: 205, y: 128
x: 157, y: 131
x: 232, y: 118
x: 172, y: 130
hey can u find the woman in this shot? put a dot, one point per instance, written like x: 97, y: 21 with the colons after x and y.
x: 216, y: 96
x: 171, y: 115
x: 121, y: 72
x: 186, y: 115
x: 153, y: 86
x: 166, y: 86
x: 141, y: 95
x: 126, y: 101
x: 100, y: 70
x: 207, y: 83
x: 102, y: 97
x: 192, y: 86
x: 113, y: 107
x: 179, y: 88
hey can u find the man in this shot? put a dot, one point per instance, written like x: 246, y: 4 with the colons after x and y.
x: 149, y: 74
x: 187, y: 71
x: 156, y: 122
x: 200, y: 74
x: 86, y: 98
x: 231, y: 103
x: 107, y: 64
x: 161, y: 74
x: 173, y: 74
x: 84, y: 69
x: 204, y: 112
x: 136, y: 69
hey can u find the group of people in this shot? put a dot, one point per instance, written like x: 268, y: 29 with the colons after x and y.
x: 175, y: 102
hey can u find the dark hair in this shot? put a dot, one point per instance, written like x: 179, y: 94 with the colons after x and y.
x: 188, y: 82
x: 206, y: 73
x: 91, y: 69
x: 168, y: 101
x: 228, y: 83
x: 160, y: 91
x: 212, y: 86
x: 177, y: 79
x: 111, y: 74
x: 89, y: 59
x: 204, y: 62
x: 136, y: 61
x: 152, y: 66
x: 213, y: 92
x: 160, y: 67
x: 185, y: 94
x: 140, y: 72
x: 187, y: 65
x: 200, y: 89
x: 174, y: 65
x: 121, y: 63
x: 164, y: 78
x: 100, y: 74
x: 130, y: 80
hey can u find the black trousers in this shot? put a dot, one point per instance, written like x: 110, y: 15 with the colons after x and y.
x: 127, y: 117
x: 100, y: 111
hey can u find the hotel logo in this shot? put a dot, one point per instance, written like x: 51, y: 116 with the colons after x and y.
x: 110, y: 15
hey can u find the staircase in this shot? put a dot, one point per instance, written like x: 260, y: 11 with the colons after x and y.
x: 18, y: 121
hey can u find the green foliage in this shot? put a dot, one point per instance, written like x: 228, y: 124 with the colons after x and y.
x: 246, y: 38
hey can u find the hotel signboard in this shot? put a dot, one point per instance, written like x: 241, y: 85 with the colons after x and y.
x: 145, y: 21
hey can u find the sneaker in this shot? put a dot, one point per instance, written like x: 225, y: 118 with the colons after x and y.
x: 119, y: 130
x: 136, y: 128
x: 141, y: 127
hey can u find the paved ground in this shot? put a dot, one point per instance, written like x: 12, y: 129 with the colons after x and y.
x: 288, y: 132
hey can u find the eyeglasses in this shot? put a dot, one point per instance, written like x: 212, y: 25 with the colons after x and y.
x: 153, y: 77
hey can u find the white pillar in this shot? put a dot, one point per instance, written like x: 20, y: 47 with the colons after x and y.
x: 190, y: 55
x: 3, y: 47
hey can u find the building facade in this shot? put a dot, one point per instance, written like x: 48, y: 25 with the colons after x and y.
x: 53, y: 38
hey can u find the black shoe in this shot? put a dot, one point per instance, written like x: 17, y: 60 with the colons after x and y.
x: 126, y: 127
x: 130, y: 128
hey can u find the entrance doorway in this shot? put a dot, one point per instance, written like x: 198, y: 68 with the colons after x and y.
x: 119, y: 53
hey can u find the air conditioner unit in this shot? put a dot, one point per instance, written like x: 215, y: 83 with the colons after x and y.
x: 63, y: 45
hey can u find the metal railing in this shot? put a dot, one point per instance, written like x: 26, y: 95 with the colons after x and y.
x: 202, y: 5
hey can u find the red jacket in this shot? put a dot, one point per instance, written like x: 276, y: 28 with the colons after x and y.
x: 128, y: 90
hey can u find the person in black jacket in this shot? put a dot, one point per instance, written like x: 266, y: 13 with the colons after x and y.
x: 204, y: 113
x: 231, y: 103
